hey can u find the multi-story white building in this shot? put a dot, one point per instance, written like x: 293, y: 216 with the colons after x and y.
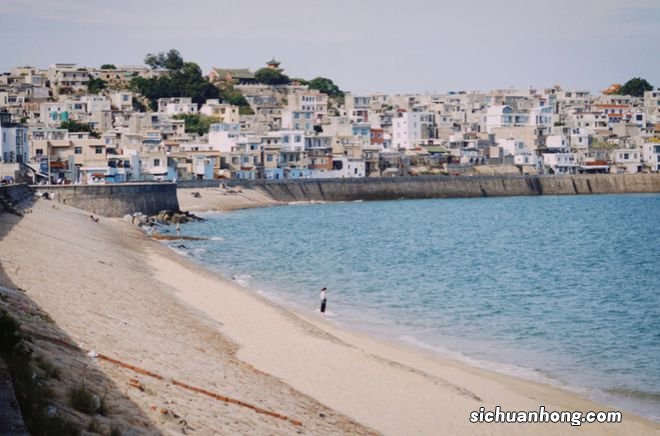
x: 177, y: 105
x: 652, y: 106
x: 357, y: 107
x: 223, y: 112
x: 309, y: 101
x: 410, y: 128
x: 223, y: 136
x: 651, y: 154
x: 626, y: 161
x: 65, y: 78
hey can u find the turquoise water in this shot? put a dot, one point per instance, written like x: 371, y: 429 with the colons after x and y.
x: 557, y: 289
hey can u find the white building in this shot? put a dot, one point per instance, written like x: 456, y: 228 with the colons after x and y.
x: 627, y: 161
x: 342, y: 167
x: 560, y: 163
x: 223, y: 112
x: 309, y: 101
x: 223, y: 136
x: 298, y: 120
x: 410, y: 128
x: 177, y: 105
x: 122, y: 100
x: 651, y: 154
x: 652, y: 106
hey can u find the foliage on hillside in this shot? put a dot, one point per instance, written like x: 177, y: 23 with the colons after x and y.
x: 183, y: 80
x: 635, y: 87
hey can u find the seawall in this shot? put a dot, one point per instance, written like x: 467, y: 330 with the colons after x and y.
x: 117, y: 200
x: 447, y: 186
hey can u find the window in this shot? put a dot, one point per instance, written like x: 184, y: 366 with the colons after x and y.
x: 296, y: 115
x: 156, y: 162
x: 269, y: 158
x: 98, y: 150
x: 285, y: 139
x: 77, y: 150
x: 39, y: 151
x: 297, y: 138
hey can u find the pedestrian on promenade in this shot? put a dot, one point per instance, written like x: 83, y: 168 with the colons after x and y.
x: 324, y: 299
x: 178, y: 229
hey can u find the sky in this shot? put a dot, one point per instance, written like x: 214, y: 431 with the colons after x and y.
x: 404, y: 46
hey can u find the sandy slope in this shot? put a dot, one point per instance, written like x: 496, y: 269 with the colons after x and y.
x: 222, y: 199
x: 106, y: 285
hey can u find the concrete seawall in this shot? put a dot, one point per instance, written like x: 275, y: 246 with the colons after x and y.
x: 117, y: 200
x: 451, y: 187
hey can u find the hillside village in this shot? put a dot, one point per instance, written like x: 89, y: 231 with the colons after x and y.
x: 74, y: 124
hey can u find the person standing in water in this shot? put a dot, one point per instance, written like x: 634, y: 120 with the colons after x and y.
x: 324, y: 299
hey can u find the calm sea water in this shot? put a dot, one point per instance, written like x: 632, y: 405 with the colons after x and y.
x: 561, y: 289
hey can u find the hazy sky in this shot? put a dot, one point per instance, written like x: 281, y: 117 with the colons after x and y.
x: 363, y: 45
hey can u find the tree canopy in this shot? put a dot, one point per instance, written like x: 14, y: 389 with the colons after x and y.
x: 184, y: 81
x: 326, y: 86
x: 270, y: 76
x: 108, y: 67
x: 171, y: 60
x: 94, y: 85
x: 635, y: 87
x: 196, y: 123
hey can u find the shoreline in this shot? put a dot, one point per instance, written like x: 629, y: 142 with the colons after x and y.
x: 396, y: 345
x: 433, y: 376
x: 415, y: 355
x: 130, y: 297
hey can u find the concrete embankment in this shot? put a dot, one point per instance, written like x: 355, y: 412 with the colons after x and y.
x: 116, y: 200
x: 452, y: 187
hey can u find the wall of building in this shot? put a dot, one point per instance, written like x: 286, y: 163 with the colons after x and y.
x: 117, y: 200
x: 450, y: 187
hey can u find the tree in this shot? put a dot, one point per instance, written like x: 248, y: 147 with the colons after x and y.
x: 108, y: 67
x: 270, y: 76
x: 326, y: 86
x: 245, y: 110
x: 231, y: 95
x: 635, y: 87
x: 75, y: 126
x: 171, y: 60
x: 95, y: 85
x: 184, y: 80
x: 196, y: 123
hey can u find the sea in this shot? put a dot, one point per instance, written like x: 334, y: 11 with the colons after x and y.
x: 558, y: 289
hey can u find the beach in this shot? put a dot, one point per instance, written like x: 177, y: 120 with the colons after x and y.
x: 108, y: 288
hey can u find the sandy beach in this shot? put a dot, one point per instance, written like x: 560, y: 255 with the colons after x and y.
x: 107, y: 287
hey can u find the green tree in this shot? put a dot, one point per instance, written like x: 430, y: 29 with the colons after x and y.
x: 326, y: 86
x: 95, y: 85
x: 231, y: 95
x: 270, y: 76
x: 196, y: 123
x: 76, y: 126
x: 185, y: 80
x: 245, y: 110
x: 171, y: 60
x: 108, y: 67
x: 635, y: 87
